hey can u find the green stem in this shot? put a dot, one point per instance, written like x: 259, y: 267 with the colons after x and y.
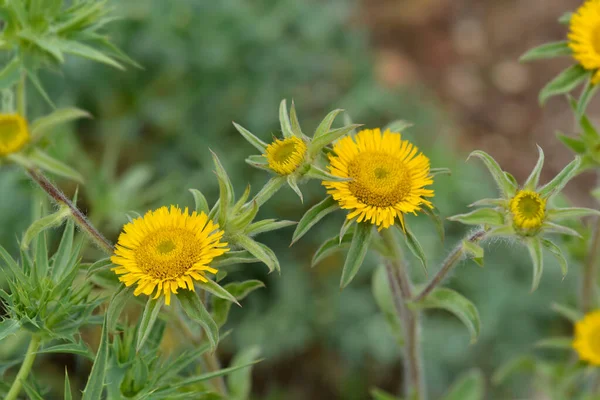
x: 22, y: 96
x: 15, y: 389
x: 590, y: 271
x: 402, y: 290
x: 268, y: 190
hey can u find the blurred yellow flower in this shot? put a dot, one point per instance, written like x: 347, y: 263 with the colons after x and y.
x: 388, y: 177
x: 14, y: 133
x: 587, y: 338
x: 285, y: 156
x: 584, y: 36
x: 528, y: 209
x: 167, y: 249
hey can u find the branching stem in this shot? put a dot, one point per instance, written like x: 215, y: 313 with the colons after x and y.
x: 15, y: 389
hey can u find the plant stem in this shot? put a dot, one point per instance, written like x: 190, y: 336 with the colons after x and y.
x: 15, y: 389
x: 21, y: 96
x: 590, y: 271
x: 402, y: 290
x: 80, y: 219
x: 453, y: 258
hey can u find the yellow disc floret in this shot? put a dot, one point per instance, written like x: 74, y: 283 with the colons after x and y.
x: 387, y: 177
x: 587, y: 338
x: 14, y: 133
x: 167, y: 249
x: 528, y: 210
x: 285, y: 156
x: 584, y: 36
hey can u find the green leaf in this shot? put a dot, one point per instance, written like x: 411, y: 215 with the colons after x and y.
x: 95, y: 384
x: 561, y: 179
x: 48, y: 222
x: 549, y: 227
x: 117, y: 304
x: 358, y: 250
x: 253, y: 140
x: 80, y: 349
x: 240, y: 382
x: 570, y: 212
x: 63, y: 254
x: 330, y: 246
x: 507, y: 188
x: 47, y: 163
x: 547, y: 50
x: 587, y: 94
x: 535, y: 252
x: 566, y: 81
x: 315, y: 172
x: 317, y: 144
x: 204, y: 377
x: 226, y: 194
x: 482, y: 216
x: 8, y: 327
x: 556, y: 251
x: 325, y: 125
x: 267, y: 225
x: 415, y: 247
x: 295, y: 123
x: 148, y: 319
x: 473, y: 250
x: 284, y: 120
x: 383, y: 295
x: 570, y: 313
x: 470, y: 386
x: 532, y: 181
x: 197, y: 312
x: 434, y: 216
x: 457, y: 304
x: 259, y: 162
x: 440, y: 171
x: 200, y: 201
x: 43, y: 125
x: 38, y: 85
x: 379, y: 394
x: 561, y: 343
x: 565, y: 19
x: 260, y: 251
x: 82, y: 50
x: 314, y: 215
x: 239, y: 290
x: 518, y: 365
x: 577, y: 145
x: 398, y: 126
x: 67, y: 389
x: 234, y: 257
x: 589, y: 133
x: 293, y: 182
x: 214, y: 288
x: 10, y: 74
x: 31, y: 391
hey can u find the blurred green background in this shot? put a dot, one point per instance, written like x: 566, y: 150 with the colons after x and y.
x: 208, y: 63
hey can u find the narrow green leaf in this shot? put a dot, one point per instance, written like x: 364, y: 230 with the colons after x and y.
x: 319, y: 143
x: 415, y: 247
x: 267, y: 225
x: 295, y: 123
x: 240, y: 382
x: 570, y: 213
x: 474, y: 251
x: 587, y: 94
x: 260, y: 251
x: 315, y: 172
x: 577, y: 145
x: 47, y: 163
x: 556, y: 251
x: 284, y: 120
x: 532, y: 181
x: 440, y: 171
x: 570, y: 313
x: 8, y: 327
x: 31, y: 391
x: 516, y: 365
x: 398, y: 126
x: 358, y: 250
x: 82, y: 50
x: 489, y: 203
x: 549, y: 227
x: 383, y: 295
x: 331, y: 246
x: 197, y: 312
x: 239, y: 290
x: 38, y: 85
x: 565, y: 19
x: 457, y: 304
x: 589, y: 133
x: 293, y: 182
x: 482, y: 216
x: 10, y: 74
x: 379, y: 394
x: 200, y: 201
x: 214, y: 288
x: 226, y: 194
x: 259, y: 162
x: 80, y: 349
x: 253, y: 140
x: 15, y: 270
x: 63, y: 254
x: 566, y: 81
x: 48, y: 222
x: 95, y: 384
x: 507, y: 188
x: 117, y: 304
x: 547, y: 50
x: 435, y: 217
x: 234, y: 257
x: 561, y: 343
x: 67, y: 390
x: 561, y: 179
x: 314, y: 215
x: 535, y: 252
x: 43, y: 125
x: 470, y: 386
x: 210, y: 375
x: 148, y: 319
x: 325, y: 125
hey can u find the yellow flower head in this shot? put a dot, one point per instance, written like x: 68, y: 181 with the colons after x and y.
x: 388, y: 177
x: 587, y: 338
x: 584, y: 36
x: 13, y: 133
x: 285, y: 156
x: 528, y: 209
x: 167, y: 249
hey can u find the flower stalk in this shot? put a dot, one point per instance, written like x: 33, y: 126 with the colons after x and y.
x: 590, y: 269
x: 23, y: 373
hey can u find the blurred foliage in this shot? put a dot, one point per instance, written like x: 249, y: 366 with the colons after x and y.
x: 205, y: 64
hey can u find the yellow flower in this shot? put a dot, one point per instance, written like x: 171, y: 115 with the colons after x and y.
x: 167, y: 249
x: 13, y: 133
x: 587, y: 338
x: 528, y: 210
x: 285, y: 156
x: 387, y: 177
x: 584, y: 36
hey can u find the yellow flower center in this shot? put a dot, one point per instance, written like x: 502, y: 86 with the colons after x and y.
x: 13, y: 133
x: 285, y: 156
x: 379, y: 179
x: 528, y: 209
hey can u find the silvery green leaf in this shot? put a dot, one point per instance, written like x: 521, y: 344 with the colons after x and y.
x: 358, y: 250
x: 284, y: 120
x: 50, y: 164
x: 259, y: 162
x: 200, y: 202
x: 67, y: 388
x: 253, y: 140
x: 117, y: 305
x: 270, y: 188
x: 314, y: 215
x: 95, y: 384
x: 382, y: 292
x: 79, y: 348
x: 148, y: 320
x: 516, y: 365
x: 226, y: 194
x: 234, y: 257
x: 32, y: 392
x: 327, y: 138
x: 245, y: 216
x: 570, y: 212
x: 63, y: 254
x: 194, y: 380
x: 398, y: 126
x: 489, y: 203
x: 48, y: 222
x: 267, y: 225
x: 560, y: 343
x: 217, y: 290
x: 474, y: 251
x: 415, y: 247
x: 502, y: 231
x: 482, y: 216
x: 292, y: 180
x: 44, y: 124
x: 260, y: 251
x: 587, y: 94
x: 294, y: 120
x: 470, y: 386
x: 547, y: 50
x: 10, y: 74
x: 557, y: 252
x: 589, y: 133
x: 507, y: 188
x: 440, y: 171
x: 549, y: 227
x: 512, y: 179
x: 34, y: 78
x: 195, y: 309
x: 566, y: 81
x: 331, y: 246
x: 565, y: 19
x: 240, y: 382
x: 570, y: 313
x: 535, y: 252
x: 577, y: 145
x: 82, y: 50
x: 344, y: 228
x: 325, y: 125
x: 8, y: 327
x: 561, y: 179
x: 315, y: 172
x: 532, y: 181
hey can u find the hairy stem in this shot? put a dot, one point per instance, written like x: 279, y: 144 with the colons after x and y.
x: 453, y: 258
x: 402, y: 291
x: 80, y: 219
x: 590, y: 270
x: 15, y: 389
